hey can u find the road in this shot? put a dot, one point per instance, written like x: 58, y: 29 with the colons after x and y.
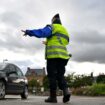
x: 39, y: 100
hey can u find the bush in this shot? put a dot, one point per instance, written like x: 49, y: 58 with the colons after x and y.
x: 94, y: 90
x: 76, y: 81
x: 97, y: 90
x: 100, y: 78
x: 46, y: 83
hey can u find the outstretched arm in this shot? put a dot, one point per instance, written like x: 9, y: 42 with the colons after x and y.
x: 39, y: 33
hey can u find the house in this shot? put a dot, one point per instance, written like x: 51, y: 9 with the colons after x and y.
x: 37, y: 74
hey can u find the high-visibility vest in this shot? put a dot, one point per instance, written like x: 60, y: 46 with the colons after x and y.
x: 56, y: 44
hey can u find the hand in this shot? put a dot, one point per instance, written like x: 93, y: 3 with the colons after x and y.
x: 70, y: 55
x: 24, y: 32
x: 44, y: 42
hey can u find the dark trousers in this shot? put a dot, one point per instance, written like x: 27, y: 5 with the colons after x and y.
x: 56, y: 71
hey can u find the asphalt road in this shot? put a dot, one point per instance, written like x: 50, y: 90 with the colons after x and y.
x: 39, y: 100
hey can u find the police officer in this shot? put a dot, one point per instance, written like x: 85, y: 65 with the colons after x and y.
x: 56, y: 55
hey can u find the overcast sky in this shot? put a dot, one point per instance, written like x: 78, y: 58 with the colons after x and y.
x: 84, y: 20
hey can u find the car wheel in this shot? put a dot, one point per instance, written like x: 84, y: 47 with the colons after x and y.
x: 2, y: 89
x: 24, y: 95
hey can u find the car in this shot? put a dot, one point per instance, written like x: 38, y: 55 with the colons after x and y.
x: 12, y: 81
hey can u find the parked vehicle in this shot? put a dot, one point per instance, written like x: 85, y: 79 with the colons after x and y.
x: 12, y: 81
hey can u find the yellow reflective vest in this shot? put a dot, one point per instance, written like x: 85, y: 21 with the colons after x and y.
x: 56, y: 44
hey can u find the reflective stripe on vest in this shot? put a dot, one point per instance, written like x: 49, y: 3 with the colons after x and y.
x: 62, y: 35
x: 58, y: 47
x: 57, y: 51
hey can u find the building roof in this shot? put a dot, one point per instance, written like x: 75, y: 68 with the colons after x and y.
x: 37, y: 72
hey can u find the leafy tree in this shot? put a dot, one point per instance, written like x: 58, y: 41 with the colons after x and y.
x: 100, y: 78
x: 46, y: 83
x: 70, y: 79
x: 79, y: 80
x: 32, y: 83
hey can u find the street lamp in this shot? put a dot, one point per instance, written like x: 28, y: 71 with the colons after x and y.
x: 4, y: 60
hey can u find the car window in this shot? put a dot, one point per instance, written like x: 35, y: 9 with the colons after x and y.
x: 7, y: 70
x: 2, y: 66
x: 19, y: 72
x: 13, y: 74
x: 12, y: 68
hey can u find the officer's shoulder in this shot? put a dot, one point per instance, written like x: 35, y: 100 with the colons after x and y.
x: 49, y: 25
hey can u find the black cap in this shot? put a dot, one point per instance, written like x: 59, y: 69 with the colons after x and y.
x: 56, y: 19
x: 56, y: 16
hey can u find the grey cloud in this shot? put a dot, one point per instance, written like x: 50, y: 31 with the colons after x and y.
x: 89, y: 37
x: 16, y: 44
x: 23, y: 63
x: 89, y: 5
x: 10, y: 18
x: 90, y: 54
x: 87, y: 15
x: 88, y: 46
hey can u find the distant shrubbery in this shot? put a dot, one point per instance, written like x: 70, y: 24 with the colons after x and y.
x: 100, y: 78
x: 87, y: 85
x: 79, y: 84
x: 75, y: 81
x: 94, y: 90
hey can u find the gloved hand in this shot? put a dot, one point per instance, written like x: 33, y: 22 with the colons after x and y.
x: 24, y: 32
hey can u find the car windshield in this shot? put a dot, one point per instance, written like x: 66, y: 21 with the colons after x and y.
x: 2, y: 66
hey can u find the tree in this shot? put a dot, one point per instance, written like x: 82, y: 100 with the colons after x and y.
x: 70, y: 79
x: 32, y: 83
x: 46, y: 83
x: 79, y: 80
x: 100, y: 78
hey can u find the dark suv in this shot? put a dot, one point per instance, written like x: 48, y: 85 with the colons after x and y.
x: 12, y: 81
